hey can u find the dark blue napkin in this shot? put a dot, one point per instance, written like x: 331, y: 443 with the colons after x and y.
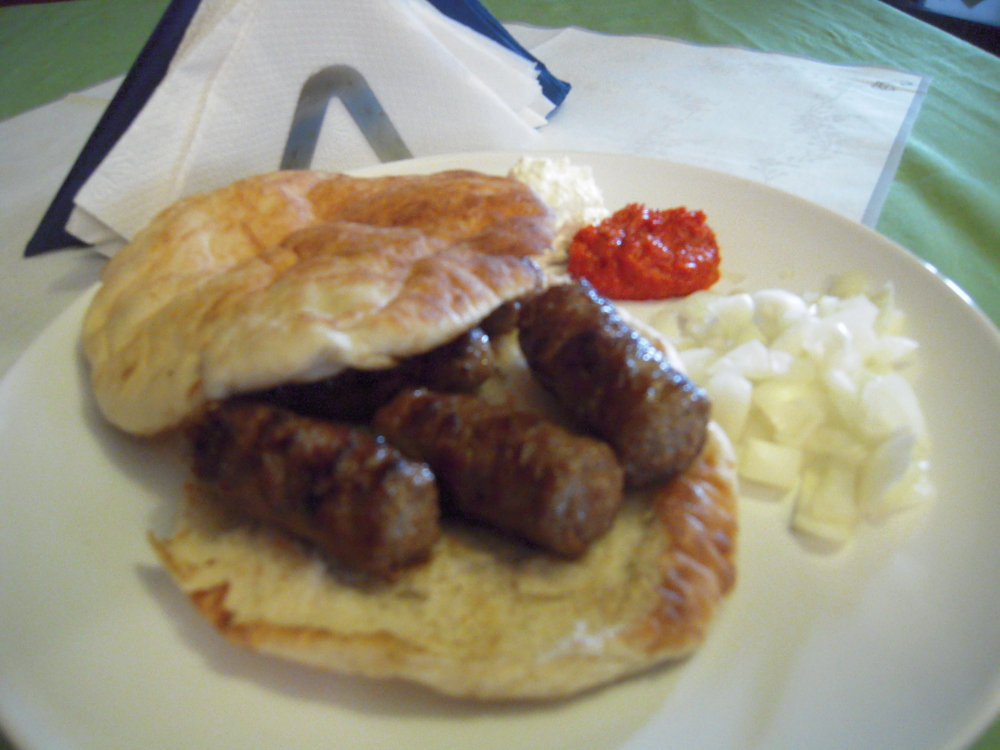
x: 150, y: 68
x: 476, y: 17
x: 144, y: 76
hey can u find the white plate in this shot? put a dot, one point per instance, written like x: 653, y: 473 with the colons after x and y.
x: 889, y: 643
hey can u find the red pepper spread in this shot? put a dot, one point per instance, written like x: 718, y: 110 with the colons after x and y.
x: 639, y: 253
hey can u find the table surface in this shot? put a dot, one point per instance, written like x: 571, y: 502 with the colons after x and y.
x: 944, y: 204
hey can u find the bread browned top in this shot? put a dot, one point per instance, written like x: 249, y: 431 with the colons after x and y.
x: 297, y: 275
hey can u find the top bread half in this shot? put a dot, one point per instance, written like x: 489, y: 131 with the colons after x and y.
x: 297, y: 275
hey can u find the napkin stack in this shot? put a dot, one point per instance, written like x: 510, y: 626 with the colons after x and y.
x: 225, y: 107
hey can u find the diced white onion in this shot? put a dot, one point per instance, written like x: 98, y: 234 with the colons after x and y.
x: 753, y: 360
x: 770, y: 463
x: 697, y: 361
x: 828, y: 441
x: 842, y: 390
x: 776, y: 310
x: 733, y: 313
x: 813, y: 391
x: 795, y: 409
x: 731, y: 395
x: 825, y: 506
x: 913, y: 488
x: 857, y: 316
x: 887, y: 404
x: 892, y: 351
x: 884, y: 469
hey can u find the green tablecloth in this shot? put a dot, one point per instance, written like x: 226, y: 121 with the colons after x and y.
x: 944, y: 204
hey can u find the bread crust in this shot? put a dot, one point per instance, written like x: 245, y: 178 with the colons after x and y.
x: 321, y: 271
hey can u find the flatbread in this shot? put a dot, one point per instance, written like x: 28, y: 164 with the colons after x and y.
x: 297, y: 275
x: 485, y: 617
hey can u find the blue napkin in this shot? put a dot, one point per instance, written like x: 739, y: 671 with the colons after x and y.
x: 151, y: 66
x: 476, y: 17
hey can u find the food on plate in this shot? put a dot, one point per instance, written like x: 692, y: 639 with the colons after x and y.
x: 510, y: 468
x: 459, y: 366
x: 350, y: 493
x: 815, y: 391
x: 639, y: 253
x: 614, y: 380
x: 289, y: 320
x: 485, y: 616
x: 570, y: 189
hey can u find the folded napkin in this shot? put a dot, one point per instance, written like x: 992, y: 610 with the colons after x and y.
x: 832, y: 134
x: 387, y: 79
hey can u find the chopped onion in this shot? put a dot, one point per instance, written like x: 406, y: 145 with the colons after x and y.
x: 814, y: 393
x: 770, y: 463
x: 825, y: 506
x: 753, y: 360
x: 835, y: 442
x: 733, y: 313
x: 697, y: 361
x: 887, y: 404
x: 731, y: 398
x: 777, y: 310
x: 893, y: 476
x: 892, y: 351
x: 795, y: 409
x: 886, y: 466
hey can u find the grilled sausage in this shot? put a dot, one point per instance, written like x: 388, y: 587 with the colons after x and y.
x: 352, y: 495
x: 513, y: 470
x: 502, y: 320
x: 460, y: 366
x: 614, y: 381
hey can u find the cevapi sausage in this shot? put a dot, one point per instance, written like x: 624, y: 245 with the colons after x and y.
x: 349, y: 396
x: 614, y: 381
x: 459, y: 366
x: 338, y: 487
x: 513, y: 470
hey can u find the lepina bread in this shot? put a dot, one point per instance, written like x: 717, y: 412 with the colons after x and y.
x: 296, y: 276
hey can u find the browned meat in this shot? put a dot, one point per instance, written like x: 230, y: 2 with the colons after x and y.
x: 351, y: 494
x: 503, y: 319
x: 614, y: 381
x: 350, y: 396
x: 460, y: 366
x: 513, y: 470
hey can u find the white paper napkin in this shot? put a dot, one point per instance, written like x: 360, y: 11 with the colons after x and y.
x: 832, y: 134
x: 225, y: 108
